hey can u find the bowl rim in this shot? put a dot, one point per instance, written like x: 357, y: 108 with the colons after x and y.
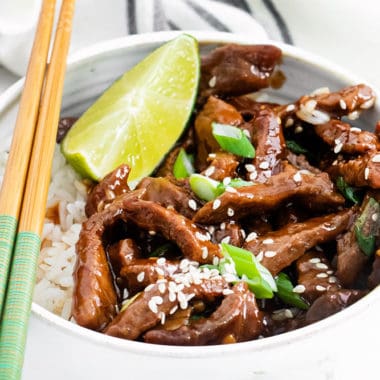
x: 304, y: 333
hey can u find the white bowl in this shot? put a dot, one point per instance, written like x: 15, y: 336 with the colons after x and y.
x: 334, y: 348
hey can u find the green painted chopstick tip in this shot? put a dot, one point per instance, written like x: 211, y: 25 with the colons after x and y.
x: 8, y: 226
x: 16, y: 311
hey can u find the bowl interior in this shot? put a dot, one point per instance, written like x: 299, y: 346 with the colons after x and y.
x: 93, y: 70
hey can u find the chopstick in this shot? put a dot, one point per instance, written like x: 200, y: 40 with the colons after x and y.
x: 17, y: 305
x: 16, y: 170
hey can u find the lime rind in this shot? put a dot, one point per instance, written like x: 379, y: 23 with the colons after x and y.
x: 139, y: 118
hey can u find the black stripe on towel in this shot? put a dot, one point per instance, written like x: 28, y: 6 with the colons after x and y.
x: 208, y: 17
x: 172, y: 25
x: 241, y: 4
x: 131, y: 17
x: 280, y: 21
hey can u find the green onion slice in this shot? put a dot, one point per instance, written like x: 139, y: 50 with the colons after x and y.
x: 295, y: 147
x: 204, y: 187
x: 183, y: 165
x: 129, y: 301
x: 163, y: 250
x: 233, y: 140
x: 258, y: 278
x: 367, y: 228
x: 348, y: 192
x: 286, y: 294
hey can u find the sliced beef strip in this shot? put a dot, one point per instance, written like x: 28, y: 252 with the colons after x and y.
x: 374, y: 277
x: 237, y: 319
x: 317, y: 109
x: 170, y: 193
x: 300, y: 162
x: 110, y: 187
x: 215, y: 110
x: 280, y: 248
x: 257, y: 225
x: 332, y: 302
x: 311, y: 190
x: 123, y: 253
x: 290, y: 213
x: 234, y: 70
x: 64, y: 126
x: 222, y: 165
x: 229, y: 232
x: 315, y: 275
x: 360, y: 171
x: 141, y: 315
x: 343, y: 138
x: 269, y: 142
x: 142, y: 272
x: 94, y: 299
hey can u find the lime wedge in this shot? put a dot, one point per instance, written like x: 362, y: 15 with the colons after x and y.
x: 137, y: 120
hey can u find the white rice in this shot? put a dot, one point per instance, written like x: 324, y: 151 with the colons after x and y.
x: 54, y: 283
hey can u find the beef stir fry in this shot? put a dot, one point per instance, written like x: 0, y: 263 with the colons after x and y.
x: 262, y: 219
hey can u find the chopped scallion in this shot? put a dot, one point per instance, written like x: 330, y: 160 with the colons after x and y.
x: 295, y: 147
x: 367, y: 228
x: 233, y: 140
x: 258, y: 278
x: 205, y: 188
x: 348, y: 192
x: 286, y: 294
x: 183, y: 166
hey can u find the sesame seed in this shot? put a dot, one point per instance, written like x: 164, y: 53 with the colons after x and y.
x: 376, y: 158
x: 229, y: 277
x: 330, y: 271
x: 210, y: 171
x: 315, y: 260
x: 353, y: 115
x: 320, y: 91
x: 231, y: 189
x: 321, y: 266
x: 268, y: 241
x: 375, y: 217
x: 216, y: 204
x: 161, y: 261
x: 158, y: 300
x: 252, y: 177
x: 204, y: 253
x: 162, y: 287
x: 215, y: 260
x: 322, y: 275
x: 149, y: 287
x: 173, y: 310
x: 152, y: 306
x: 366, y: 173
x: 152, y: 233
x: 250, y: 168
x: 368, y: 104
x: 342, y: 104
x: 290, y: 108
x: 223, y: 226
x: 249, y: 195
x: 251, y: 236
x: 190, y: 296
x: 162, y: 317
x: 227, y: 292
x: 299, y: 289
x: 338, y: 146
x: 212, y: 155
x: 160, y: 272
x: 355, y: 129
x: 246, y: 132
x: 226, y: 239
x: 212, y: 81
x: 332, y: 280
x: 264, y: 165
x: 310, y: 105
x: 270, y: 253
x: 172, y: 296
x: 226, y: 181
x: 297, y: 177
x: 298, y: 129
x: 320, y: 288
x: 140, y: 277
x: 243, y: 234
x: 192, y: 204
x: 230, y: 211
x: 278, y: 120
x: 260, y: 256
x: 183, y: 305
x: 289, y: 122
x: 202, y: 237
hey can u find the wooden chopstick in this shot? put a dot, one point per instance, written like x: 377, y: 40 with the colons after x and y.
x: 16, y: 170
x: 16, y: 311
